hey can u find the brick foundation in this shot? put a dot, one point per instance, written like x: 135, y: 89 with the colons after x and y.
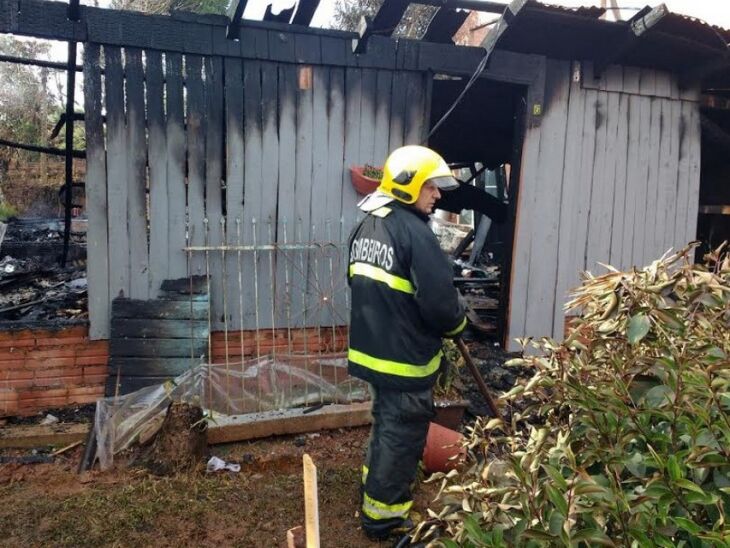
x: 44, y: 369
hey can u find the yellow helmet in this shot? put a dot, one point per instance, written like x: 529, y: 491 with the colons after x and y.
x: 409, y: 167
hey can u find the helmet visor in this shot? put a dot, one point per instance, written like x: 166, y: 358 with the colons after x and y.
x: 444, y: 182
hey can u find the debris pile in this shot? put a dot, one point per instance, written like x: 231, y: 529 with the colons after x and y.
x: 33, y: 285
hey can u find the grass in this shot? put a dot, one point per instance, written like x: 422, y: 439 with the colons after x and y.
x: 7, y: 211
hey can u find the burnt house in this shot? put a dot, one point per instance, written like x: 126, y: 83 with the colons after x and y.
x: 221, y: 147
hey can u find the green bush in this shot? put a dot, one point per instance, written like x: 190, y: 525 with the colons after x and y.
x: 622, y: 435
x: 7, y: 211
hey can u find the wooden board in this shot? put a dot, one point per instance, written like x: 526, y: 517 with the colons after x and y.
x: 542, y: 281
x: 151, y: 367
x: 684, y: 152
x: 642, y: 176
x: 399, y: 101
x: 165, y: 329
x: 572, y: 187
x: 136, y: 175
x: 651, y: 251
x: 214, y: 172
x: 599, y: 193
x: 154, y: 348
x: 96, y: 200
x: 157, y: 143
x: 621, y: 155
x: 38, y: 435
x: 368, y: 107
x: 353, y: 112
x: 384, y: 89
x: 129, y: 384
x: 195, y: 134
x: 116, y: 138
x: 159, y: 309
x: 633, y: 181
x: 695, y: 150
x: 176, y: 153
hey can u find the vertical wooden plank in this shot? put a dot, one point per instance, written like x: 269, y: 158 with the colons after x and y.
x: 621, y: 156
x: 666, y: 187
x: 268, y: 185
x: 614, y: 78
x: 695, y: 151
x: 96, y: 204
x: 588, y: 151
x: 397, y: 111
x: 195, y: 134
x: 116, y: 136
x: 177, y: 260
x: 647, y: 82
x: 572, y: 187
x: 286, y: 211
x: 663, y: 84
x: 214, y: 131
x: 684, y: 150
x: 642, y: 175
x: 632, y: 181
x: 599, y: 195
x: 302, y: 190
x: 382, y: 115
x: 367, y: 117
x: 136, y: 176
x: 335, y: 171
x: 236, y: 164
x: 652, y: 182
x: 608, y: 188
x: 631, y: 80
x: 353, y: 101
x: 415, y: 122
x: 670, y: 180
x: 543, y: 263
x: 157, y: 152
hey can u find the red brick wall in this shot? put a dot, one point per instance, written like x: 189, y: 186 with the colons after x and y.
x: 43, y: 369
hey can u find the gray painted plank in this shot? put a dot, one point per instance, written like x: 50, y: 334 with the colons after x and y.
x: 613, y: 158
x: 116, y: 137
x: 159, y: 214
x: 614, y: 78
x: 665, y: 187
x: 542, y: 281
x: 195, y: 134
x: 96, y: 203
x: 159, y: 309
x: 652, y: 182
x: 572, y: 186
x: 136, y: 175
x: 670, y: 180
x: 253, y: 188
x: 588, y: 151
x: 268, y: 184
x: 647, y: 82
x: 286, y: 211
x: 367, y: 118
x: 152, y: 348
x: 159, y: 329
x: 384, y: 94
x: 684, y: 150
x: 416, y: 122
x: 335, y: 173
x: 621, y: 155
x: 397, y: 111
x: 642, y: 181
x: 632, y: 77
x: 236, y: 164
x: 695, y: 149
x: 176, y: 151
x: 633, y: 181
x: 663, y: 84
x: 353, y: 101
x: 599, y: 194
x: 214, y: 171
x: 318, y: 282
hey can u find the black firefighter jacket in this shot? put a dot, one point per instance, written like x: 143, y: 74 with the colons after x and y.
x: 403, y: 300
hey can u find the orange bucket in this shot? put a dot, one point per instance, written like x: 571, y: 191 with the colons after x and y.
x: 443, y: 450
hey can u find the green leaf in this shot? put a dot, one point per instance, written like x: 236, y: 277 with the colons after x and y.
x: 690, y: 486
x: 639, y: 326
x: 592, y: 537
x: 675, y: 472
x: 659, y: 395
x: 538, y: 535
x: 687, y: 524
x: 558, y: 500
x: 473, y: 529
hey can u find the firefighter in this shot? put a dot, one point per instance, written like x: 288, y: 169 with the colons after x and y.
x: 403, y: 303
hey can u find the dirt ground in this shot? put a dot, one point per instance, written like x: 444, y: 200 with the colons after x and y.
x: 50, y: 505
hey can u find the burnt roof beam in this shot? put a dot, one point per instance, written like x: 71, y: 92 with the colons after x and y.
x: 235, y: 13
x: 638, y: 27
x: 305, y: 12
x: 384, y: 23
x: 473, y: 5
x: 444, y: 24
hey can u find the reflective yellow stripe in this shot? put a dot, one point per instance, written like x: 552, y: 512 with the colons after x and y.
x: 458, y: 329
x: 374, y: 509
x: 365, y: 471
x: 380, y: 275
x: 394, y: 368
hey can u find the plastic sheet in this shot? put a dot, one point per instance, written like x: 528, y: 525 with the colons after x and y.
x: 262, y: 384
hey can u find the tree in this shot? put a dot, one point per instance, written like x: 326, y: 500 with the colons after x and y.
x: 413, y: 24
x: 166, y: 6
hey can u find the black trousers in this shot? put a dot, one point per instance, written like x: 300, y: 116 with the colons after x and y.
x: 400, y: 425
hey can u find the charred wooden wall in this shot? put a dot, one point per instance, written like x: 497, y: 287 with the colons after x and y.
x: 610, y: 176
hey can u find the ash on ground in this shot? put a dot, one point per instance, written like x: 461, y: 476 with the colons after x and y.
x: 33, y: 284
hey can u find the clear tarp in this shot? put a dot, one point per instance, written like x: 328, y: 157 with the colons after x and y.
x: 224, y: 389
